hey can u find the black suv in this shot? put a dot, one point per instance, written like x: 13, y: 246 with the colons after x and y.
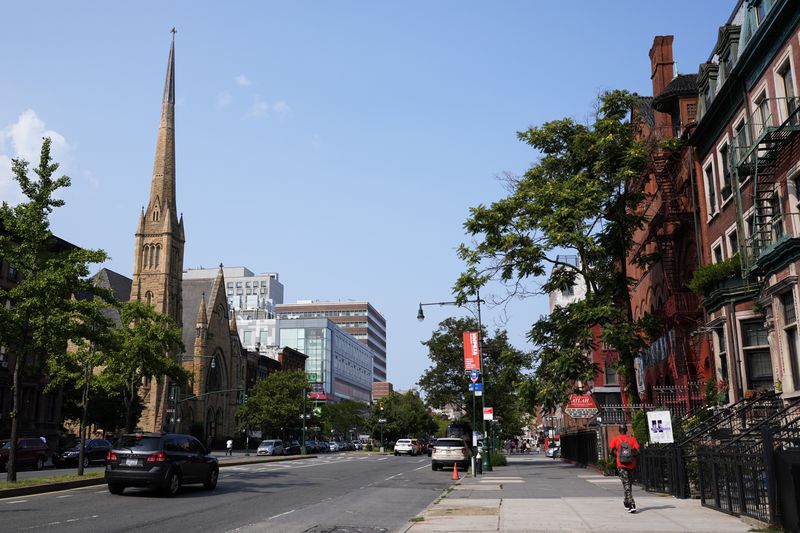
x: 161, y: 460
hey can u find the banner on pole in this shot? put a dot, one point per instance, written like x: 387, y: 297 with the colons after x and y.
x: 472, y: 351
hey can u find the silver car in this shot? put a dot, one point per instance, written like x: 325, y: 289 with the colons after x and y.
x: 270, y: 447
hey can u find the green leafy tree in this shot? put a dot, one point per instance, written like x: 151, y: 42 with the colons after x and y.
x: 581, y: 197
x: 405, y: 415
x: 39, y: 315
x: 504, y: 372
x: 74, y: 368
x: 342, y: 417
x: 275, y: 402
x: 144, y: 342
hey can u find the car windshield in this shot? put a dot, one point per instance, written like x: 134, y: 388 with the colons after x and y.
x: 138, y: 442
x: 404, y: 441
x: 268, y: 443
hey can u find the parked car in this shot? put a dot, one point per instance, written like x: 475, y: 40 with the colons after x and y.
x: 30, y: 452
x: 357, y: 445
x: 270, y: 447
x: 165, y: 461
x: 334, y: 446
x: 554, y: 451
x: 405, y: 446
x: 431, y: 444
x: 291, y: 447
x: 447, y: 452
x: 95, y: 451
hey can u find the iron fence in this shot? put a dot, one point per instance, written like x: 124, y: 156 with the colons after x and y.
x: 580, y: 447
x: 739, y: 476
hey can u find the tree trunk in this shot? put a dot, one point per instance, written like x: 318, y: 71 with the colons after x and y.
x: 87, y: 375
x: 11, y: 467
x: 128, y: 395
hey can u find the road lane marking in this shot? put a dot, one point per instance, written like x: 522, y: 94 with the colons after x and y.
x: 58, y: 523
x: 17, y: 501
x: 420, y: 468
x: 281, y: 514
x: 65, y: 496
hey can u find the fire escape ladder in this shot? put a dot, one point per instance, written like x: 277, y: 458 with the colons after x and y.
x: 759, y: 159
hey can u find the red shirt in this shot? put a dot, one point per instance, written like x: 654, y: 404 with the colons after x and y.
x: 632, y: 442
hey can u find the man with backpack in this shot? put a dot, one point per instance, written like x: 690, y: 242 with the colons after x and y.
x: 625, y: 448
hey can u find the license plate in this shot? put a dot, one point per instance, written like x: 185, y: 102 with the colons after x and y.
x: 131, y: 462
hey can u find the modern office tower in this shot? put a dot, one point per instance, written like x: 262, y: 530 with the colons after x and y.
x: 358, y: 318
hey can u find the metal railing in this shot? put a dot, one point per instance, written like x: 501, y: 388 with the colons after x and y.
x: 580, y: 447
x: 766, y: 118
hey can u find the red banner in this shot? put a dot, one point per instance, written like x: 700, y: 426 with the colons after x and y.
x: 472, y: 351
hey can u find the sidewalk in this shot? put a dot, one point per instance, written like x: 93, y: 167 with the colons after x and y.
x: 534, y: 493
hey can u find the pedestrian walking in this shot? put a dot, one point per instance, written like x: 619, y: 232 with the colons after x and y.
x: 625, y: 448
x: 229, y: 447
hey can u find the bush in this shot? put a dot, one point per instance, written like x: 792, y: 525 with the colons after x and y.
x: 639, y: 427
x: 498, y: 459
x: 707, y: 277
x: 608, y: 466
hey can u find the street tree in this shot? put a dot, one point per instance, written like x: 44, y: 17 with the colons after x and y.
x: 74, y: 368
x: 405, y: 414
x: 38, y: 315
x: 275, y: 404
x: 344, y: 416
x: 144, y: 343
x: 582, y: 197
x: 505, y: 370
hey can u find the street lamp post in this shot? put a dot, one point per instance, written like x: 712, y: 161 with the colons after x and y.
x: 303, y: 443
x: 486, y: 462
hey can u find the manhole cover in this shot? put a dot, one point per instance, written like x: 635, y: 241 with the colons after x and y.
x: 346, y: 529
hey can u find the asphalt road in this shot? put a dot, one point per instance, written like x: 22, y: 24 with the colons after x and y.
x: 356, y: 492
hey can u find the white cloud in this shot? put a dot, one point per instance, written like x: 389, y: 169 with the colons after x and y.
x: 243, y: 81
x: 261, y: 108
x: 224, y: 99
x: 23, y: 139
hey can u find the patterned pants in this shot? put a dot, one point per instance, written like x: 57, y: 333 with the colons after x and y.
x: 625, y: 474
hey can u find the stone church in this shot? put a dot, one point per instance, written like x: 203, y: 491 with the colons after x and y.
x: 213, y: 353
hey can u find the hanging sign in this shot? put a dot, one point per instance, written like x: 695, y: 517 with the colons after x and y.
x: 488, y: 413
x: 472, y: 351
x: 581, y: 406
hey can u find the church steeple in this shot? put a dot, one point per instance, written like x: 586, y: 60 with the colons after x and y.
x: 162, y: 192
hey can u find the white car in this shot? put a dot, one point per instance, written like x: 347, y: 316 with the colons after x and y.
x: 270, y: 447
x: 449, y: 452
x: 405, y: 446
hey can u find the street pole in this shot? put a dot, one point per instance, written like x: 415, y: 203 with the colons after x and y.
x: 487, y: 463
x: 303, y: 443
x: 175, y: 391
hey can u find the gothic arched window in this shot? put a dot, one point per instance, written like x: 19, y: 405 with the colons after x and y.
x: 148, y: 297
x: 158, y: 255
x: 145, y: 253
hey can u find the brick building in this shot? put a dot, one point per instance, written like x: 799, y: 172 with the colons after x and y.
x: 747, y: 157
x: 677, y: 360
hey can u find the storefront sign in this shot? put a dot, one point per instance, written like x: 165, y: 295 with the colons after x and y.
x: 581, y: 406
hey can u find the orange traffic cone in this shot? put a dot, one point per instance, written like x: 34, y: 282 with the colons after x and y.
x: 455, y: 472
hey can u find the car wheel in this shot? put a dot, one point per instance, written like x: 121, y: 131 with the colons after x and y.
x: 434, y: 467
x: 39, y: 464
x: 213, y: 477
x: 115, y: 488
x: 86, y: 462
x: 396, y: 454
x: 173, y: 484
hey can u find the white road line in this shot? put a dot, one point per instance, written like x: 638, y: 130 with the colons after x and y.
x: 101, y: 491
x: 65, y: 496
x: 282, y: 514
x: 420, y: 468
x: 17, y: 501
x: 383, y: 459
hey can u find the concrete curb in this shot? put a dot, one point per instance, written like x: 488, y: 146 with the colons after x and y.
x: 80, y: 483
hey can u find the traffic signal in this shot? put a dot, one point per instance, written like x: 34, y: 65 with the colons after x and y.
x: 380, y: 405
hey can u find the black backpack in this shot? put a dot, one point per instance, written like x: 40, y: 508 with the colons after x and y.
x: 626, y: 452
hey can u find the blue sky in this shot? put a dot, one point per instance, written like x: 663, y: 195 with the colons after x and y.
x: 340, y: 144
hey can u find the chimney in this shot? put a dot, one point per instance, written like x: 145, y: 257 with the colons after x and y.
x: 661, y: 63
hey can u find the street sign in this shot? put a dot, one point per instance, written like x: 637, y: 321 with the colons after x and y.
x: 488, y: 413
x: 476, y: 387
x: 472, y: 351
x: 474, y: 375
x: 381, y: 421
